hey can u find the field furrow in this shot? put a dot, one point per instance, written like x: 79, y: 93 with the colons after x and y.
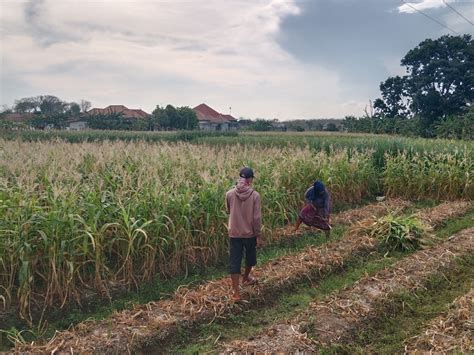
x: 158, y: 322
x: 335, y: 318
x: 451, y: 332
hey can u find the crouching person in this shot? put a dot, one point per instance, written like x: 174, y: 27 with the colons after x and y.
x: 245, y: 222
x: 317, y: 209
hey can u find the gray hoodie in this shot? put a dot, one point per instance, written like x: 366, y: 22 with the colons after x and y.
x: 244, y: 209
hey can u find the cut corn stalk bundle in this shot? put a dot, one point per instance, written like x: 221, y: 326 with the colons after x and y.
x: 401, y: 233
x: 334, y: 319
x: 449, y: 333
x: 408, y: 233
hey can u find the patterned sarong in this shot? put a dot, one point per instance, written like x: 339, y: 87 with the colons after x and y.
x: 313, y: 217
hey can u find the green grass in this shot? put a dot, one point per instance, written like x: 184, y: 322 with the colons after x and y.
x: 409, y: 312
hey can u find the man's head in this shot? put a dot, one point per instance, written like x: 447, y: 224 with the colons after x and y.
x: 247, y: 174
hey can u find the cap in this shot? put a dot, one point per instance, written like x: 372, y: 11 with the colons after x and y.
x: 246, y: 173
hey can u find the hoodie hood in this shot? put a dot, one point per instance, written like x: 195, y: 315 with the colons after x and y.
x: 243, y: 189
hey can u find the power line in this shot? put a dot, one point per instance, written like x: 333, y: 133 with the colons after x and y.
x: 431, y: 18
x: 456, y: 11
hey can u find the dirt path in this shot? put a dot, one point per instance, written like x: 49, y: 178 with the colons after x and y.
x: 157, y: 322
x: 334, y: 319
x: 451, y: 332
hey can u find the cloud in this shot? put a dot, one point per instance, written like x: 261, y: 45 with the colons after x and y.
x: 451, y: 16
x: 410, y: 7
x: 144, y: 53
x: 225, y: 53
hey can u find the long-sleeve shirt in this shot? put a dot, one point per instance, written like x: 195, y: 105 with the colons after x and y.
x: 322, y: 202
x: 245, y: 215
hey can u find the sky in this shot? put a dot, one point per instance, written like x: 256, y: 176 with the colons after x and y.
x: 284, y: 59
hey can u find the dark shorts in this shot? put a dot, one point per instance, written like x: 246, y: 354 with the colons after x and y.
x: 236, y: 251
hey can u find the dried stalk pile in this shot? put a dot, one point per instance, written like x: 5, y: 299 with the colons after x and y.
x: 451, y: 332
x: 334, y: 319
x: 159, y: 321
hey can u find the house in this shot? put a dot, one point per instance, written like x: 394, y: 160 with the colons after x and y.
x: 17, y: 117
x: 16, y: 120
x: 211, y: 120
x: 119, y: 109
x: 79, y: 123
x: 76, y: 123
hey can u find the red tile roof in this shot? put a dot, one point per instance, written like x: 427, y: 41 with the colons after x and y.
x: 205, y: 113
x: 229, y: 117
x: 17, y: 117
x: 126, y: 112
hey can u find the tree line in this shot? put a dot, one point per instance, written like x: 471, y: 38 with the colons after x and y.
x: 52, y: 112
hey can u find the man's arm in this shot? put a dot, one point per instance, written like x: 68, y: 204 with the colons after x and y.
x: 227, y: 203
x: 257, y: 217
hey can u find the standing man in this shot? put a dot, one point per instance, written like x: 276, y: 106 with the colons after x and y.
x: 245, y: 223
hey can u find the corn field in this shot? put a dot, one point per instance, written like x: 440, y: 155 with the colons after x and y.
x: 93, y: 215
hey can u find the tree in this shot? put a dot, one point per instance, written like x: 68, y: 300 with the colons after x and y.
x: 74, y: 109
x: 261, y: 125
x: 173, y: 118
x: 160, y: 118
x: 85, y: 105
x: 54, y: 120
x: 50, y: 104
x: 44, y: 104
x: 441, y: 76
x: 395, y: 97
x: 439, y: 83
x: 187, y: 118
x: 27, y: 105
x: 172, y: 115
x: 331, y: 127
x: 6, y: 109
x: 457, y: 127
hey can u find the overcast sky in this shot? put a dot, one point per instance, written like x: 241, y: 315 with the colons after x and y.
x: 283, y: 59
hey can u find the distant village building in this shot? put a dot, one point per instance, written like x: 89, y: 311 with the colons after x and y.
x: 17, y: 120
x: 80, y: 123
x: 211, y: 120
x: 121, y: 109
x: 17, y: 117
x: 76, y: 124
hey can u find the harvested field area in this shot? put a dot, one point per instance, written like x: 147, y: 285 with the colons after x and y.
x: 159, y: 321
x: 451, y: 332
x: 334, y: 319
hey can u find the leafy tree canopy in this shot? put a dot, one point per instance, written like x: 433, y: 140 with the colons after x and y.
x: 439, y: 81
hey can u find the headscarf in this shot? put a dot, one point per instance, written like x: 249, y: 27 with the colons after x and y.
x: 243, y: 189
x: 317, y: 191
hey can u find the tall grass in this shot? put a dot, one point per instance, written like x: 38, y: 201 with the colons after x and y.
x: 431, y: 175
x: 92, y: 216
